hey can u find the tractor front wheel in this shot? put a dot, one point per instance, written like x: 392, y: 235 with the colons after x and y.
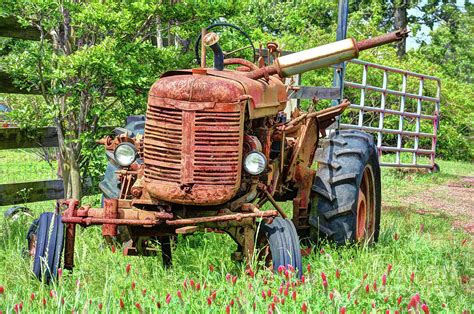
x: 346, y: 200
x: 279, y: 245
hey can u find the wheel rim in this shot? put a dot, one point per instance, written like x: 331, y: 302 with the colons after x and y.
x: 366, y: 207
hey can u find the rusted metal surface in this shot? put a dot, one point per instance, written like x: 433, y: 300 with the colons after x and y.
x: 110, y: 213
x: 382, y: 39
x: 238, y: 216
x: 200, y: 124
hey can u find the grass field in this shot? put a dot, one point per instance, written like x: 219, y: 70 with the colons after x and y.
x: 429, y: 259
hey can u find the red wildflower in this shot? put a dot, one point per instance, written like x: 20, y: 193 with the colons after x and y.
x: 269, y: 293
x: 227, y: 309
x: 387, y: 312
x: 209, y: 301
x: 2, y: 290
x: 16, y: 308
x: 463, y: 242
x: 231, y: 302
x: 293, y: 296
x: 250, y: 272
x: 325, y: 284
x: 198, y: 286
x: 144, y: 292
x: 179, y: 294
x: 100, y: 306
x: 389, y: 268
x: 338, y: 274
x: 285, y: 292
x: 287, y: 274
x: 342, y: 310
x: 228, y: 277
x: 158, y: 305
x: 308, y: 268
x: 250, y: 287
x: 323, y: 276
x: 272, y: 306
x: 356, y: 302
x: 349, y: 295
x: 282, y: 301
x: 396, y: 312
x: 375, y: 285
x: 44, y: 301
x: 385, y: 299
x: 60, y: 273
x: 168, y: 298
x: 365, y: 276
x: 21, y: 306
x: 384, y: 279
x: 331, y: 296
x: 399, y: 300
x: 138, y: 306
x: 234, y: 280
x: 52, y: 293
x: 304, y: 307
x: 192, y: 283
x: 275, y: 299
x: 412, y: 277
x: 122, y: 305
x: 367, y: 288
x: 134, y: 285
x: 113, y: 248
x: 214, y: 294
x: 396, y: 237
x: 63, y: 301
x: 373, y: 305
x: 425, y: 308
x: 291, y: 268
x: 254, y: 306
x: 264, y: 295
x: 32, y: 297
x: 211, y: 267
x: 127, y: 268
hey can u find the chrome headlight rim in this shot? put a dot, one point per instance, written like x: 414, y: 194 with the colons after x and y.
x: 250, y: 155
x: 121, y: 160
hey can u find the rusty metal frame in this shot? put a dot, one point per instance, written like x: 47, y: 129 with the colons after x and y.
x: 384, y: 91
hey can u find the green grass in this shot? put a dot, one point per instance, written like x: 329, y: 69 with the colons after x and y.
x: 436, y: 255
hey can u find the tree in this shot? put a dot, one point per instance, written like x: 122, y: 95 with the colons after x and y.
x: 94, y: 57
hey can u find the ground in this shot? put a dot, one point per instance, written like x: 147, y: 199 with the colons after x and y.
x: 425, y: 253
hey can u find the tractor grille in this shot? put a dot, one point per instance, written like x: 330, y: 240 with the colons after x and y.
x: 192, y: 147
x: 163, y: 144
x: 216, y: 153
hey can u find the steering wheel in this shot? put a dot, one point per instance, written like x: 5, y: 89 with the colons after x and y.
x: 198, y: 41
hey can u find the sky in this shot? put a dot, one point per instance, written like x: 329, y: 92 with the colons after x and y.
x: 423, y: 34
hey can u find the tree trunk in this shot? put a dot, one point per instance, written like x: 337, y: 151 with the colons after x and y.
x: 70, y: 172
x: 401, y: 22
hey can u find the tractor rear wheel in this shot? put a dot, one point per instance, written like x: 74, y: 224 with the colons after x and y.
x: 346, y: 198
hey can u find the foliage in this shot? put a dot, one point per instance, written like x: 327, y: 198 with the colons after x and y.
x: 427, y: 245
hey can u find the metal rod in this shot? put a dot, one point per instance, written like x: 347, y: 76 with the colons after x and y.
x: 274, y: 203
x: 100, y: 221
x: 391, y: 131
x: 203, y: 47
x: 238, y: 216
x: 390, y: 69
x: 391, y: 111
x: 390, y: 91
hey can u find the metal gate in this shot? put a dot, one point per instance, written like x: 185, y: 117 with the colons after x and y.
x: 401, y: 107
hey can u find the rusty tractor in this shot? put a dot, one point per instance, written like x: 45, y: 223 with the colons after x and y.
x: 214, y: 146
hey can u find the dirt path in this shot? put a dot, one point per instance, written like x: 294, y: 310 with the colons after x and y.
x: 456, y: 199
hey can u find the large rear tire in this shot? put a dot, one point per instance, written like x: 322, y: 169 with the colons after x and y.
x: 346, y: 198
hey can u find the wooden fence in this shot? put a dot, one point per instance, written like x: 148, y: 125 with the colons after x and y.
x: 15, y: 138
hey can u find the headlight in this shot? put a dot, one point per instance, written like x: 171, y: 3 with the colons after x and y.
x: 125, y: 154
x: 255, y: 163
